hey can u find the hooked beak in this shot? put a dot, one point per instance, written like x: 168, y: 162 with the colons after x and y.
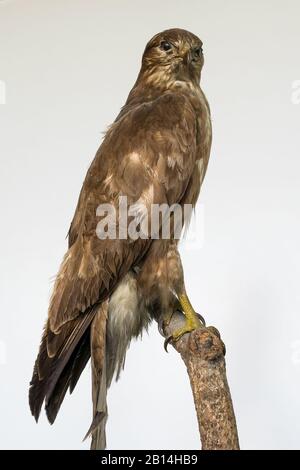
x: 192, y: 57
x: 191, y: 64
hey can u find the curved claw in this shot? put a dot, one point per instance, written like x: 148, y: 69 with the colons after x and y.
x: 167, y: 342
x: 190, y: 325
x: 201, y: 319
x: 161, y: 326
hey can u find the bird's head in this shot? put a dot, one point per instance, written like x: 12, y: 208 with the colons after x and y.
x: 174, y: 55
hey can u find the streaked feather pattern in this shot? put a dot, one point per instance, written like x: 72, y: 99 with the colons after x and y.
x: 107, y: 291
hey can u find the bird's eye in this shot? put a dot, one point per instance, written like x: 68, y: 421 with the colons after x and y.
x: 165, y: 46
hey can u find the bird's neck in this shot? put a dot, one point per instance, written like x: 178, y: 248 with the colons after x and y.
x: 153, y: 82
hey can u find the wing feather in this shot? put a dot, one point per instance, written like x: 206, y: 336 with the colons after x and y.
x: 144, y: 157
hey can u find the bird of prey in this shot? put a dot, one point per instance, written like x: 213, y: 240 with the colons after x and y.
x: 108, y: 290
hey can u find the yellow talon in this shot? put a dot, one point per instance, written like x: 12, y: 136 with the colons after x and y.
x: 192, y: 320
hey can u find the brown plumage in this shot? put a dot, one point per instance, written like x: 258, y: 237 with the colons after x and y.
x: 107, y: 291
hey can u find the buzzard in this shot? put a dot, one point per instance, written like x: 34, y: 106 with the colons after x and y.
x: 108, y: 289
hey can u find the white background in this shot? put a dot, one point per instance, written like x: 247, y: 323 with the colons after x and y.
x: 67, y: 67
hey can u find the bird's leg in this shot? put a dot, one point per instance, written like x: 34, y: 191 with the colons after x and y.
x: 164, y: 320
x: 166, y: 317
x: 193, y: 320
x: 189, y: 312
x: 167, y: 312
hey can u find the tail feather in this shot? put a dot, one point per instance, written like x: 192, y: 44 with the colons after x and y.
x: 99, y: 379
x: 52, y: 375
x: 100, y: 411
x: 64, y: 354
x: 80, y: 361
x: 99, y: 435
x: 54, y: 403
x: 69, y: 377
x: 98, y: 417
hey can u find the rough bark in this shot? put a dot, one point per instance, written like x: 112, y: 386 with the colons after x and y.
x: 203, y: 354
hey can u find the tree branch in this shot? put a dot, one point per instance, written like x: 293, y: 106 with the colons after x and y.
x: 203, y: 354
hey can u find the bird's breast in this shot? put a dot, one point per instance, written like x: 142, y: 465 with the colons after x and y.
x: 204, y: 122
x: 201, y: 107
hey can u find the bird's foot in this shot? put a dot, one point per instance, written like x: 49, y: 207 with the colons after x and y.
x: 193, y: 321
x: 164, y: 321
